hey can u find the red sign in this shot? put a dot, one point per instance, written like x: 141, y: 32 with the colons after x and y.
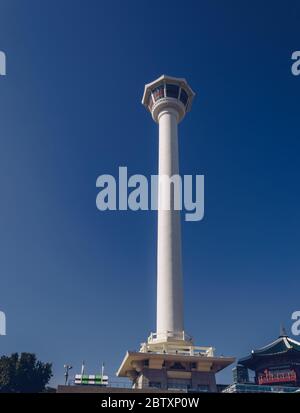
x: 269, y: 377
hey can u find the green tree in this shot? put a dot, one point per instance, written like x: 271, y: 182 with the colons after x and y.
x: 23, y: 374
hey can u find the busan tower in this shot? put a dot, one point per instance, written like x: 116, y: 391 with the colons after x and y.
x: 169, y: 359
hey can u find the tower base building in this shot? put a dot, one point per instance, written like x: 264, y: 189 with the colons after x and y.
x: 173, y: 365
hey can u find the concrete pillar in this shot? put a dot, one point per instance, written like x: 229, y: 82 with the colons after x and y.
x: 169, y: 266
x: 168, y: 99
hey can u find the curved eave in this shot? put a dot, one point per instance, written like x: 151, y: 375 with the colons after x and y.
x: 255, y: 358
x: 282, y: 345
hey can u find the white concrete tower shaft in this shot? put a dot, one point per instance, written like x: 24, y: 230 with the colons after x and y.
x: 169, y: 267
x: 168, y: 99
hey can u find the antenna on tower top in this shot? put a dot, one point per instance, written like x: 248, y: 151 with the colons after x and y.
x: 282, y: 331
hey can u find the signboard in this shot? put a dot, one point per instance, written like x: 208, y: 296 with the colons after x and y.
x: 91, y: 379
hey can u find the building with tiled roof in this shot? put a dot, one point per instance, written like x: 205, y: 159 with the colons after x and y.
x: 276, y: 368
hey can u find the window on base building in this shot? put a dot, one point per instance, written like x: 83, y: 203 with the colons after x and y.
x: 155, y: 384
x: 203, y: 388
x: 177, y: 366
x: 179, y: 384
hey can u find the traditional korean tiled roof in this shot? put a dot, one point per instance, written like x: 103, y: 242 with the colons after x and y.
x: 281, y: 346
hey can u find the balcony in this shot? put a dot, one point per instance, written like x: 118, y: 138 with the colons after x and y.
x: 175, y: 344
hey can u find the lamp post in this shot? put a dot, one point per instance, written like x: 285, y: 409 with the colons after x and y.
x: 67, y: 368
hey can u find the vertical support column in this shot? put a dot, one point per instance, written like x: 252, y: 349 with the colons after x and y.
x: 169, y: 265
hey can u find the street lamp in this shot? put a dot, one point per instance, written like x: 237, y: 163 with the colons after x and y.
x: 67, y: 368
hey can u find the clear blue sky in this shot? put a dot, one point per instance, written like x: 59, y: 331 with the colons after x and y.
x: 79, y: 284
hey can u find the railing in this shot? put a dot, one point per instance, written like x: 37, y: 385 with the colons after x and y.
x: 256, y: 388
x: 175, y: 343
x: 180, y: 387
x: 169, y: 334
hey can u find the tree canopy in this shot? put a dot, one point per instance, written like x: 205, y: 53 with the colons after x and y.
x: 23, y: 374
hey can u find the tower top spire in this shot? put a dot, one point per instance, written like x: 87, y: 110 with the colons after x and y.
x: 283, y: 332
